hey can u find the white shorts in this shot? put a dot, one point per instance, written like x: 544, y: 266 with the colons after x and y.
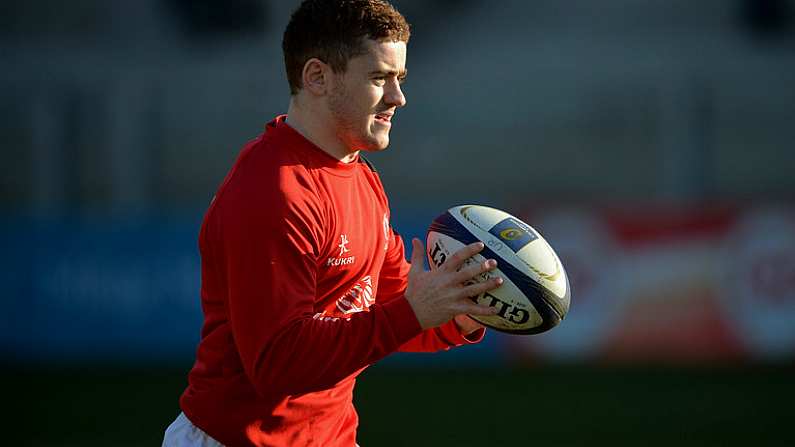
x: 182, y: 433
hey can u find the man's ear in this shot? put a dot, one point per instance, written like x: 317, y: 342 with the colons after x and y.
x: 316, y: 77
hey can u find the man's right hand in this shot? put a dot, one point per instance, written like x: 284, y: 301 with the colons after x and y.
x: 439, y: 295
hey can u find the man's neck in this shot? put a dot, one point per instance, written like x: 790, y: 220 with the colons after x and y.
x: 311, y: 124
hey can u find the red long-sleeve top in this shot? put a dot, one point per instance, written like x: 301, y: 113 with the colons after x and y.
x: 302, y: 288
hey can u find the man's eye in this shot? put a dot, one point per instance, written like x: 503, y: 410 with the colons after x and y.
x: 379, y: 81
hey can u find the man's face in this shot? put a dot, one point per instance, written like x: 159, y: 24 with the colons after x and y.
x: 366, y: 95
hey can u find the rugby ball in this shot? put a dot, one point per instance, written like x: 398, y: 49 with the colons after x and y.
x: 535, y: 293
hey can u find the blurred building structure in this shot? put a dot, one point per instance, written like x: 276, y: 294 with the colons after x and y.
x: 136, y: 106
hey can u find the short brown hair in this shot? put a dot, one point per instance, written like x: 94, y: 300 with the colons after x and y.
x: 333, y: 31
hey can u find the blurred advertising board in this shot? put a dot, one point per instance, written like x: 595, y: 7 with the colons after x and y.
x: 673, y: 285
x: 100, y: 288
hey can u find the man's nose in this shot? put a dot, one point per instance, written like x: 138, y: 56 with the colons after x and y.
x: 395, y: 96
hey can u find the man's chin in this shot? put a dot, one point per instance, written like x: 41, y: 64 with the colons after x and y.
x: 377, y: 144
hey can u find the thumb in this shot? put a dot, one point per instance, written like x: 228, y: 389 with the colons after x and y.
x: 417, y: 256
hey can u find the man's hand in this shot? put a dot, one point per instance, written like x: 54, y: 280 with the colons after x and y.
x: 438, y: 296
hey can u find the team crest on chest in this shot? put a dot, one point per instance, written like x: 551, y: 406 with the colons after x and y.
x: 386, y: 231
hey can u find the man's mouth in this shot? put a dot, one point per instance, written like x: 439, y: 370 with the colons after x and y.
x: 385, y: 117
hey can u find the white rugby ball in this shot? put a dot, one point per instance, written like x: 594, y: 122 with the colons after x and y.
x: 535, y: 294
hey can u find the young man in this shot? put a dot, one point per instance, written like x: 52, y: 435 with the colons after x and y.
x: 304, y: 283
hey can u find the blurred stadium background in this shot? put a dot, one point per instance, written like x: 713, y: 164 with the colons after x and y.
x: 652, y: 143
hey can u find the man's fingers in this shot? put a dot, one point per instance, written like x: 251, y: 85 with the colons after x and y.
x: 454, y: 262
x: 472, y: 271
x: 481, y: 287
x: 417, y: 256
x: 477, y: 309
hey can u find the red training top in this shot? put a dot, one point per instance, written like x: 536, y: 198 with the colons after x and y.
x: 302, y: 288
